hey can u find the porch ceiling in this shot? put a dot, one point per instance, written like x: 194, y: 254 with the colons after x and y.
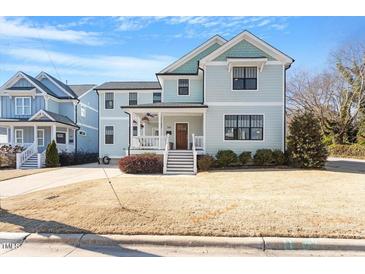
x: 167, y: 107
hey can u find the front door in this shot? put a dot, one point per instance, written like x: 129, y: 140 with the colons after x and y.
x: 181, y: 136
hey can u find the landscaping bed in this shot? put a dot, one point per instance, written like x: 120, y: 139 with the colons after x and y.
x: 265, y: 202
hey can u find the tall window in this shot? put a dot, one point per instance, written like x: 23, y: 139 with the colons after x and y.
x: 109, y: 100
x: 22, y: 105
x: 109, y: 135
x: 244, y: 78
x: 61, y: 137
x: 19, y: 136
x: 133, y: 98
x: 243, y: 127
x: 135, y: 130
x: 40, y: 137
x: 157, y: 97
x: 183, y: 87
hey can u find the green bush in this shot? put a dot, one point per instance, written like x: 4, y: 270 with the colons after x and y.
x: 305, y: 142
x: 205, y: 162
x: 327, y: 140
x: 263, y: 157
x: 347, y: 151
x: 226, y: 158
x: 52, y: 157
x: 245, y: 157
x: 278, y: 157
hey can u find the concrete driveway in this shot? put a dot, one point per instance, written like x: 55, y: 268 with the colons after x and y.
x: 345, y: 165
x: 55, y: 178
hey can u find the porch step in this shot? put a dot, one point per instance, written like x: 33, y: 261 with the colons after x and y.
x: 31, y: 163
x: 180, y: 162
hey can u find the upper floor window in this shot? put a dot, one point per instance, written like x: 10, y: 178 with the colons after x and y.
x: 157, y: 97
x: 243, y: 127
x: 133, y: 98
x: 23, y: 105
x: 109, y: 135
x: 183, y: 87
x: 244, y: 78
x: 109, y: 100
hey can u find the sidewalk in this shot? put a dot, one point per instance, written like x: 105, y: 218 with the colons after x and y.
x: 25, y: 244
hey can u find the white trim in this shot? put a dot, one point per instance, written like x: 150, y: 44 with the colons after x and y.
x: 84, y: 125
x: 43, y: 113
x: 113, y: 118
x: 105, y: 100
x: 256, y: 141
x: 15, y: 137
x: 246, y: 90
x: 166, y: 110
x: 91, y: 108
x: 215, y: 39
x: 177, y: 84
x: 249, y: 37
x: 284, y: 114
x: 62, y: 100
x: 174, y: 77
x: 23, y: 105
x: 82, y: 111
x: 82, y: 95
x: 113, y: 135
x: 186, y: 136
x: 103, y: 91
x: 224, y: 63
x: 45, y: 75
x: 244, y: 104
x: 40, y: 129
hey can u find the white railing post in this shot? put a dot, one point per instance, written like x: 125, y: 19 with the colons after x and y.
x: 39, y: 160
x: 165, y: 154
x: 194, y: 155
x: 18, y: 162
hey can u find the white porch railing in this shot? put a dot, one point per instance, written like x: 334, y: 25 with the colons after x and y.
x: 166, y: 153
x: 195, y: 156
x: 24, y: 155
x: 199, y: 142
x: 146, y: 142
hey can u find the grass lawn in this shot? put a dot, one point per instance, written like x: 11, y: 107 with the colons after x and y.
x: 296, y: 203
x: 6, y: 174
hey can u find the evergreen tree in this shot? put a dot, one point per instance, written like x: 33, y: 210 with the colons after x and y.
x: 305, y: 146
x: 52, y: 157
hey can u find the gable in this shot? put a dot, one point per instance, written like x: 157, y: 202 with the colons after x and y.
x: 22, y: 83
x: 243, y: 49
x: 191, y: 66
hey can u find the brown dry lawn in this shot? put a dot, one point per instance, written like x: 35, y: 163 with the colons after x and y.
x: 6, y: 174
x: 296, y: 203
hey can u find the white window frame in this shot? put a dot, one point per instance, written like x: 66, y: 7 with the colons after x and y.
x: 40, y: 130
x: 177, y: 89
x: 22, y: 100
x: 15, y: 135
x: 105, y: 134
x: 83, y: 111
x: 245, y: 90
x: 105, y: 100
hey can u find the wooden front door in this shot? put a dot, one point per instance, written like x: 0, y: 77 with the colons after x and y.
x: 181, y: 136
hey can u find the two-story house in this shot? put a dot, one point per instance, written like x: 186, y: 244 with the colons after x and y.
x: 222, y: 95
x: 36, y: 110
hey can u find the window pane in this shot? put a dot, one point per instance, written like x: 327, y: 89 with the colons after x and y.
x: 133, y: 98
x: 27, y: 102
x: 183, y: 82
x: 229, y: 133
x: 230, y: 121
x: 135, y: 131
x: 243, y: 120
x: 250, y: 72
x: 157, y: 97
x: 183, y: 91
x: 238, y: 83
x: 61, y: 137
x: 256, y: 134
x: 27, y: 110
x: 109, y: 135
x: 243, y: 133
x: 183, y: 87
x: 109, y: 100
x: 257, y: 121
x: 238, y: 72
x: 250, y: 83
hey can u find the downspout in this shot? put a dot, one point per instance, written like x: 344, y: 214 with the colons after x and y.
x: 203, y: 82
x: 98, y: 121
x: 129, y: 133
x: 77, y: 128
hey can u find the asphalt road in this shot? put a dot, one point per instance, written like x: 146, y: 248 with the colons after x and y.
x: 345, y: 165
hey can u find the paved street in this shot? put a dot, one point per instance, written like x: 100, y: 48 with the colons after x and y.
x: 345, y: 165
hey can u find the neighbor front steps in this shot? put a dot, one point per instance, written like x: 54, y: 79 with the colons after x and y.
x: 31, y: 163
x: 180, y: 162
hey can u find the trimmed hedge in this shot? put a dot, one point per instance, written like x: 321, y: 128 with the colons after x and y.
x: 263, y: 157
x: 226, y: 158
x: 347, y: 151
x: 205, y: 162
x: 141, y: 164
x: 245, y: 157
x: 71, y: 158
x: 278, y: 157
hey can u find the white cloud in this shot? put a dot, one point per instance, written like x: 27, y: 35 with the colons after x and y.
x: 19, y: 28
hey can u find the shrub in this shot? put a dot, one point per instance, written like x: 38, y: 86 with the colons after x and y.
x: 226, y: 158
x: 141, y: 164
x: 327, y: 140
x: 305, y: 145
x: 263, y: 157
x: 278, y: 157
x: 349, y: 151
x: 52, y: 158
x: 245, y: 157
x: 78, y: 158
x: 205, y: 162
x: 11, y: 149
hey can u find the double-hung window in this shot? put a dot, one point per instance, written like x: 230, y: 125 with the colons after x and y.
x: 23, y: 106
x: 109, y: 100
x: 157, y: 97
x: 244, y: 78
x: 183, y: 87
x: 109, y: 135
x: 40, y: 137
x: 19, y: 137
x: 243, y: 127
x: 133, y: 98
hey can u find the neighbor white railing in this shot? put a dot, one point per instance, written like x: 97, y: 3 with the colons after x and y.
x: 24, y: 155
x: 199, y: 142
x: 194, y: 154
x: 166, y: 153
x: 41, y: 159
x: 145, y: 142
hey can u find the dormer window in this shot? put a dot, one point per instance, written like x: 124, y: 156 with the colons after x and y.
x: 244, y: 78
x: 183, y: 87
x: 23, y: 105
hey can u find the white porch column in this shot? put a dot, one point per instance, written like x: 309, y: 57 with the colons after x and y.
x: 53, y: 133
x: 131, y: 129
x: 12, y: 141
x: 138, y: 125
x: 204, y: 129
x: 35, y: 138
x: 159, y: 130
x: 74, y: 134
x: 67, y: 144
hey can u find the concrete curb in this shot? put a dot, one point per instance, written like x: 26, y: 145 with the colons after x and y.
x: 262, y: 243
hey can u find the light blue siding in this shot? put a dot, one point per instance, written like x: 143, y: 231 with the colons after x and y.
x: 191, y: 66
x: 8, y: 107
x: 23, y: 83
x: 195, y: 88
x: 53, y: 106
x: 88, y: 143
x: 54, y: 88
x: 243, y: 49
x: 67, y: 109
x: 121, y: 138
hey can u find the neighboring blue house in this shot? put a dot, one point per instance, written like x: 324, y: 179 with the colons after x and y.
x: 36, y: 110
x: 222, y: 95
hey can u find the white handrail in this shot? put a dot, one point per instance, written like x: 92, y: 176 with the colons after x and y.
x: 166, y: 153
x: 194, y: 155
x: 25, y: 155
x: 145, y: 142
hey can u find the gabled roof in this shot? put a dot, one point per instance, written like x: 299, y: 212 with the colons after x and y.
x: 80, y: 90
x: 38, y: 84
x: 214, y: 40
x: 65, y: 88
x: 134, y: 85
x: 54, y: 117
x: 254, y: 40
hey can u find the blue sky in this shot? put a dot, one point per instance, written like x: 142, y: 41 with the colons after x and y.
x: 99, y: 49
